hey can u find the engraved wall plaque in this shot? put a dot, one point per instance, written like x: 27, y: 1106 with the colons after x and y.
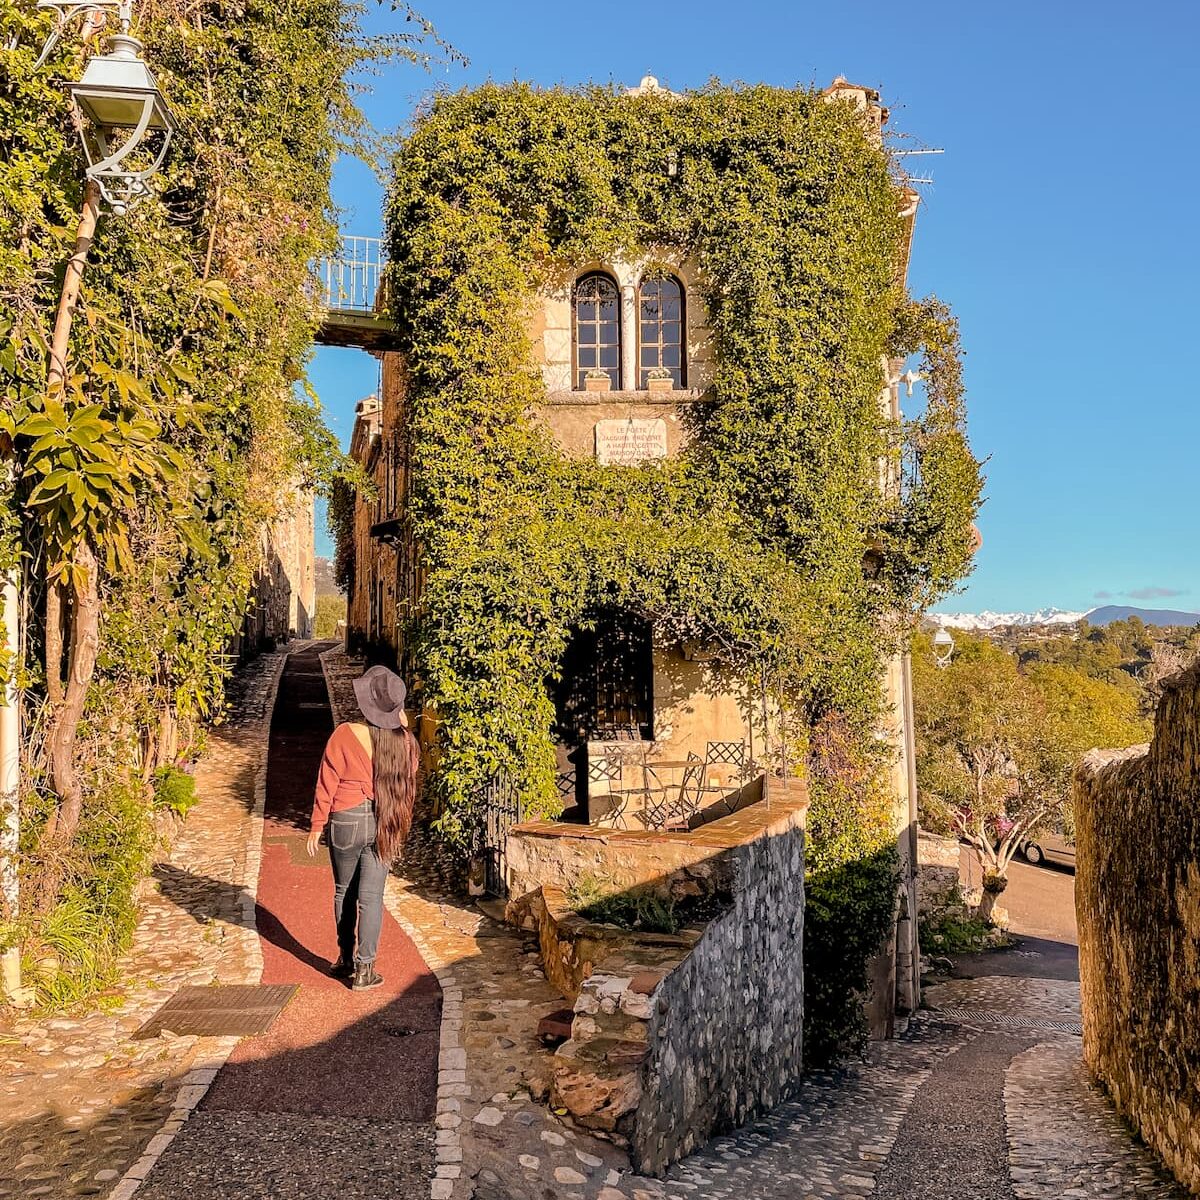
x: 630, y: 442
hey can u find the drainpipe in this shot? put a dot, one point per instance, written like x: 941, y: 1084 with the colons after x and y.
x: 910, y: 754
x: 10, y: 781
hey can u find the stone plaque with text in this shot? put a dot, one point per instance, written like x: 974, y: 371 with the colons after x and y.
x: 627, y: 443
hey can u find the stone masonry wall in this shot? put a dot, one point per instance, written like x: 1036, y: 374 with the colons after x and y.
x: 938, y: 887
x: 559, y: 855
x: 1137, y: 898
x: 725, y: 1027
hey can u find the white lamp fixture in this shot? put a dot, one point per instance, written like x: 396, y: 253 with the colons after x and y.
x: 118, y: 93
x: 943, y: 647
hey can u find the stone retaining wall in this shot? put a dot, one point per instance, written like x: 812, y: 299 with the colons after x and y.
x: 726, y: 1026
x: 571, y: 945
x: 938, y: 886
x: 670, y: 1046
x: 1137, y: 898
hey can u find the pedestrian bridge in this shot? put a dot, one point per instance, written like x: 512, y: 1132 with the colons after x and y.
x: 352, y: 286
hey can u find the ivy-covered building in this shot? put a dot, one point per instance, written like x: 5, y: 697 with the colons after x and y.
x: 640, y: 469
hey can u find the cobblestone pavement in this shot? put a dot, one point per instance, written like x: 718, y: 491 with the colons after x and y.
x: 925, y: 1117
x: 79, y: 1100
x: 1064, y: 1137
x: 1010, y: 1000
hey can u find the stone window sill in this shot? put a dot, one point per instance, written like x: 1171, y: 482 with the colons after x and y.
x: 627, y: 396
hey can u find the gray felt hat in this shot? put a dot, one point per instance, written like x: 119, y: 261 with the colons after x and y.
x: 380, y: 694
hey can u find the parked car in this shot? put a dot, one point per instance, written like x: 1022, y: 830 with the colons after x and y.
x: 1049, y: 847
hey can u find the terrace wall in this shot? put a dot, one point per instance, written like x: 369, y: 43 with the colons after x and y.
x: 1137, y: 898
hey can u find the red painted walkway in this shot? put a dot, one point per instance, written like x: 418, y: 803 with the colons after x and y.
x: 332, y: 1052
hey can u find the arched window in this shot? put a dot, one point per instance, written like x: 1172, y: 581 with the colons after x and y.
x: 660, y: 330
x: 597, y: 329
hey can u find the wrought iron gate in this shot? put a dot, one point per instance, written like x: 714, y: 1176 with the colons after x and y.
x: 501, y: 811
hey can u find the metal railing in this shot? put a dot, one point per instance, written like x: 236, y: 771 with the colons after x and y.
x: 353, y: 279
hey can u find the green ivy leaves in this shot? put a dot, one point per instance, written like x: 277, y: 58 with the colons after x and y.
x: 754, y: 541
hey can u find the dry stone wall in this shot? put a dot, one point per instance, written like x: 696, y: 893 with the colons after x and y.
x: 938, y: 886
x: 675, y: 1038
x: 725, y: 1035
x: 1137, y: 898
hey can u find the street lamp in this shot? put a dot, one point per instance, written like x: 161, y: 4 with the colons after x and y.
x: 943, y: 647
x: 119, y: 107
x: 117, y: 94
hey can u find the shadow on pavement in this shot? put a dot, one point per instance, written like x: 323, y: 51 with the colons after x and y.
x: 1028, y: 958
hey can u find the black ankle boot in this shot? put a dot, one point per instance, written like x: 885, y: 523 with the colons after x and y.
x: 343, y: 968
x: 365, y: 976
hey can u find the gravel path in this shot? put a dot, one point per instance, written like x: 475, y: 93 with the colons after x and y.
x: 244, y: 1156
x: 952, y: 1141
x: 829, y: 1141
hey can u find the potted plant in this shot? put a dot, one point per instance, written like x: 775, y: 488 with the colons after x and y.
x: 597, y: 380
x: 659, y: 379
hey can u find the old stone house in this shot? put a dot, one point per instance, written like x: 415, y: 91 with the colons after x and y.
x: 624, y: 349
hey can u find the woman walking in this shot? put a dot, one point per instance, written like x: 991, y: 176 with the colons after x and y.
x: 364, y: 801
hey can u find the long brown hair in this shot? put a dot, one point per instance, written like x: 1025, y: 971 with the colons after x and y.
x: 396, y: 756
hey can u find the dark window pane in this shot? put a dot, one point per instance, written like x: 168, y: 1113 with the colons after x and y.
x: 597, y: 333
x: 649, y: 356
x: 670, y: 332
x: 670, y: 356
x: 649, y: 331
x: 677, y: 377
x: 669, y: 289
x: 670, y: 310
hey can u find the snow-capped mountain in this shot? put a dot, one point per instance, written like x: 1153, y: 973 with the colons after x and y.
x: 992, y: 620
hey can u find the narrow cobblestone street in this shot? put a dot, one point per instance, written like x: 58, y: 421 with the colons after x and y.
x: 436, y: 1085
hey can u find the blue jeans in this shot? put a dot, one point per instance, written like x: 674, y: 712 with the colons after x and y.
x: 358, y: 876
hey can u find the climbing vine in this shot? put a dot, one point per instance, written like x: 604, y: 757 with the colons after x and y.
x: 754, y: 538
x: 145, y: 482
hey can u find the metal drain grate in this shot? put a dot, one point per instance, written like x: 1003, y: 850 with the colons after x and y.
x: 979, y: 1016
x: 234, y: 1010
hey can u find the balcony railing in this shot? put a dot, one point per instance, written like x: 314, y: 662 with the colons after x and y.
x: 351, y: 287
x: 352, y: 280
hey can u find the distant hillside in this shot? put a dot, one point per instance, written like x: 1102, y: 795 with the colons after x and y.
x: 984, y: 622
x: 324, y: 576
x: 1148, y: 616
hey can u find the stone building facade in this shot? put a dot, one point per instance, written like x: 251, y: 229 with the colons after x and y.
x: 283, y: 598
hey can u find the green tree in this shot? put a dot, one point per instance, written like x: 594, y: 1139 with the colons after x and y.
x: 143, y: 480
x: 996, y: 745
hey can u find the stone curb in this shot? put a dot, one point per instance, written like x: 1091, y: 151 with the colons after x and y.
x: 199, y: 1079
x: 452, y: 1056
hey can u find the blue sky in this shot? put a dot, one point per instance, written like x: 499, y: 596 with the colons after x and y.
x: 1059, y: 225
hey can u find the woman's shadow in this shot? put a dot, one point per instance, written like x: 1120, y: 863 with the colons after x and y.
x: 206, y: 899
